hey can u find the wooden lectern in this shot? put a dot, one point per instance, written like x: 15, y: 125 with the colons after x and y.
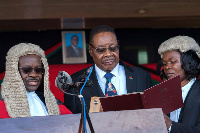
x: 44, y: 124
x: 129, y: 121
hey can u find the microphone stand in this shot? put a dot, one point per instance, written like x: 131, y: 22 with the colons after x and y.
x: 84, y: 114
x: 84, y: 110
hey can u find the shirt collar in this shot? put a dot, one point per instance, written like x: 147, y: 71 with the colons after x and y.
x: 30, y: 92
x: 101, y: 73
x: 188, y: 85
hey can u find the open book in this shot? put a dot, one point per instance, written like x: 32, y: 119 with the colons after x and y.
x: 166, y: 95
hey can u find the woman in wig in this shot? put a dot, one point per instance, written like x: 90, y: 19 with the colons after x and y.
x: 181, y: 56
x: 25, y: 89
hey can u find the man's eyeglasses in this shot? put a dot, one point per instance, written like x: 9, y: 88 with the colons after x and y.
x: 103, y: 50
x: 28, y: 70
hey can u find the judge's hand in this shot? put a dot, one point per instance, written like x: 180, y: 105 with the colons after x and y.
x: 168, y: 122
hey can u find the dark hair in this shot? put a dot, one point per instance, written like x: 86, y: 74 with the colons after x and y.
x: 74, y: 36
x: 100, y: 29
x: 190, y: 64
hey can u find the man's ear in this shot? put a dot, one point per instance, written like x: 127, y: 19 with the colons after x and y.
x: 90, y: 50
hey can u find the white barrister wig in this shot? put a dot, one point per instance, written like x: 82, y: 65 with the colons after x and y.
x: 13, y: 90
x: 181, y: 43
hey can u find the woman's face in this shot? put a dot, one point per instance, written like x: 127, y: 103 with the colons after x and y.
x: 172, y: 66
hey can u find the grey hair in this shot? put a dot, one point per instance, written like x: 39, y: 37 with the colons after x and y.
x: 181, y: 43
x: 13, y: 90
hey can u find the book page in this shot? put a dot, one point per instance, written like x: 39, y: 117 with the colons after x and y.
x: 166, y: 95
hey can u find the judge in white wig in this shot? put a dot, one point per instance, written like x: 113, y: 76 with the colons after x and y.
x: 16, y: 93
x: 181, y: 56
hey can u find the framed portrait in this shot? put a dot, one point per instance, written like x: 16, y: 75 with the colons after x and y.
x: 74, y: 47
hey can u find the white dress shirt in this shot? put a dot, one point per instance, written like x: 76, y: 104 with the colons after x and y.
x: 37, y: 107
x: 118, y: 80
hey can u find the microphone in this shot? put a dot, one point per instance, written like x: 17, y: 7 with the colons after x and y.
x: 62, y: 78
x: 64, y: 81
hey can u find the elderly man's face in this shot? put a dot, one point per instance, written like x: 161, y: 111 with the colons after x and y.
x: 74, y: 40
x: 107, y: 59
x: 31, y: 69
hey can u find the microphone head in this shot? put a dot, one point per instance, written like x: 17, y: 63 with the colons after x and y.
x: 62, y: 78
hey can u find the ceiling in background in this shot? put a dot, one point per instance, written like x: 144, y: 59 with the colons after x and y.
x: 63, y: 14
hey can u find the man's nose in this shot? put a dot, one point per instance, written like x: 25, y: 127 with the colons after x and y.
x: 33, y: 73
x: 168, y: 66
x: 107, y: 52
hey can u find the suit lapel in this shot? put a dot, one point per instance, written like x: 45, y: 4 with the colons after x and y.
x: 95, y: 90
x: 187, y: 97
x: 131, y: 79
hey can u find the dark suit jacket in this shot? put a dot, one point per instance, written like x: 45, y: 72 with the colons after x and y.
x: 141, y: 81
x: 71, y: 53
x: 181, y: 128
x: 190, y: 113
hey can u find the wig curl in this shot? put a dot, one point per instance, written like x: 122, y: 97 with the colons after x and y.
x: 13, y: 90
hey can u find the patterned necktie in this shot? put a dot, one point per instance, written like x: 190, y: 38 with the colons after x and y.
x: 110, y: 88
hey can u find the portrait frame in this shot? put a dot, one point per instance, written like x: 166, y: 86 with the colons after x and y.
x: 72, y: 54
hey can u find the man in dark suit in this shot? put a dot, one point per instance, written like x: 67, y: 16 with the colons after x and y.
x: 104, y: 49
x: 73, y: 50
